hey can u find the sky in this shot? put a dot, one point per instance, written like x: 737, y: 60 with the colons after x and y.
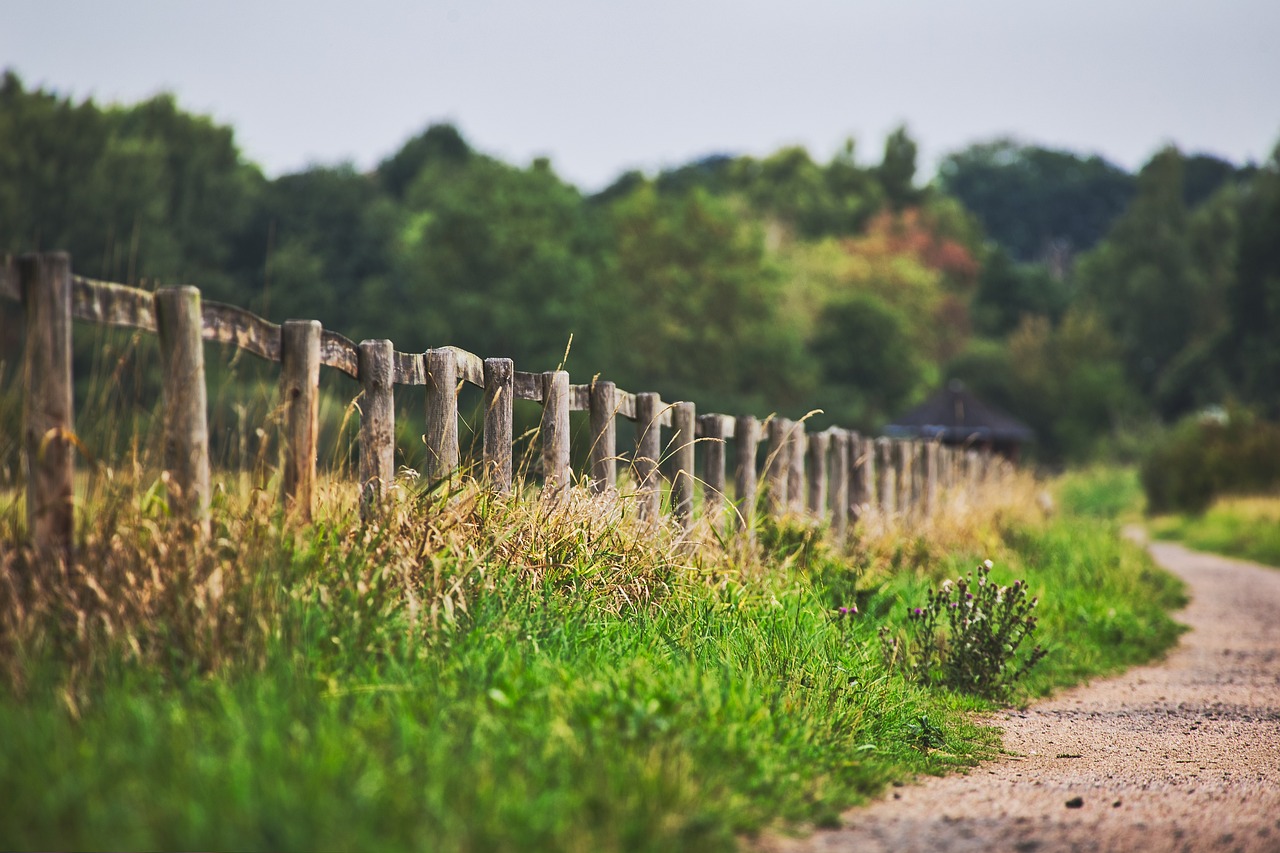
x: 604, y: 86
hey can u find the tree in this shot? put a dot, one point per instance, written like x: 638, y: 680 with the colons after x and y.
x: 1160, y: 279
x: 1252, y: 350
x: 897, y: 170
x: 1036, y: 201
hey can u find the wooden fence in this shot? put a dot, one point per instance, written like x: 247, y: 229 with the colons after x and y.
x: 847, y: 475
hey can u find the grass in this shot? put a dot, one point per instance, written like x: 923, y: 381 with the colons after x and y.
x: 476, y: 674
x: 1245, y: 527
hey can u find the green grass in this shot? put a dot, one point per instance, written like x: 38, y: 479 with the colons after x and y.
x: 503, y: 683
x: 1248, y: 528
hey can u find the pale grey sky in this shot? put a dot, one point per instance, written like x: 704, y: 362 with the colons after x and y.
x: 602, y: 86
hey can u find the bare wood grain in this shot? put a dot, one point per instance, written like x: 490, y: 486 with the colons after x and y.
x: 711, y: 430
x: 300, y: 395
x: 684, y: 420
x: 186, y: 419
x: 377, y: 425
x: 442, y: 414
x: 603, y: 453
x: 470, y: 366
x: 648, y: 452
x: 819, y: 444
x: 746, y: 430
x: 499, y: 396
x: 408, y: 368
x: 339, y: 352
x: 579, y: 398
x: 112, y: 304
x: 777, y: 464
x: 48, y: 415
x: 840, y: 441
x: 555, y: 432
x: 229, y: 324
x: 528, y: 386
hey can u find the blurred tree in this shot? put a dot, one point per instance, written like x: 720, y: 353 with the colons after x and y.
x: 1252, y: 349
x: 897, y: 170
x: 1036, y: 201
x: 1160, y: 279
x: 691, y: 307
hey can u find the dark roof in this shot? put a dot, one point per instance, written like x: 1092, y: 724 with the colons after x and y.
x: 956, y: 416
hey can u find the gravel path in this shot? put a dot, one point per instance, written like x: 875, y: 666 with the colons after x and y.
x: 1179, y: 756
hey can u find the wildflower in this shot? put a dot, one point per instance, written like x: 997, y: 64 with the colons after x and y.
x: 988, y: 563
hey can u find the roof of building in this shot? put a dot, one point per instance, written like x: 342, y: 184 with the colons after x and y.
x: 956, y: 416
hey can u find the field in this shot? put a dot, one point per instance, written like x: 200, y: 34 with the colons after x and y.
x: 481, y: 673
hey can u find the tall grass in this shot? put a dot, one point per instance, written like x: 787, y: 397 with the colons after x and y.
x: 472, y: 672
x: 1246, y: 527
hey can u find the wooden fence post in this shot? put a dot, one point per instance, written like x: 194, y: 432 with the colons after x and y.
x: 499, y: 397
x: 185, y: 396
x: 442, y: 414
x: 930, y: 497
x: 819, y: 443
x: 300, y: 390
x: 47, y: 404
x: 377, y: 424
x: 777, y: 464
x: 862, y: 476
x: 713, y: 468
x: 684, y: 422
x: 648, y: 451
x: 840, y: 440
x: 885, y: 482
x: 746, y: 436
x: 604, y: 436
x: 555, y: 432
x: 798, y: 445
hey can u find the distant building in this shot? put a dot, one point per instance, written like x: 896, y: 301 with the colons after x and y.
x: 956, y: 417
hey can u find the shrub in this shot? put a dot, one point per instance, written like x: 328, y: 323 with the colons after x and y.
x: 1209, y: 455
x: 978, y: 651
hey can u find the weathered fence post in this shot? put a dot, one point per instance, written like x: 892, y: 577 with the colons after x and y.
x: 499, y: 397
x: 648, y: 451
x: 555, y: 432
x: 713, y: 468
x: 603, y: 455
x: 777, y: 464
x: 186, y: 418
x: 930, y: 498
x: 377, y: 424
x: 818, y: 445
x: 862, y: 476
x: 797, y: 445
x: 840, y: 440
x: 684, y: 422
x: 48, y: 413
x: 885, y: 481
x: 442, y: 414
x: 300, y: 391
x: 746, y: 436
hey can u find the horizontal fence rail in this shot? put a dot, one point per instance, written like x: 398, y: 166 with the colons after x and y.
x: 834, y: 475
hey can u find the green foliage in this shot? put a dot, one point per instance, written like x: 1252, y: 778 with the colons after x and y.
x: 977, y: 652
x: 1102, y: 492
x: 1212, y: 454
x: 1035, y: 201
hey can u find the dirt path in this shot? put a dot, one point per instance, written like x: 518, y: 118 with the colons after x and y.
x: 1184, y: 755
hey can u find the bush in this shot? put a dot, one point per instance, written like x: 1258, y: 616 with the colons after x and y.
x: 1209, y: 455
x: 978, y: 653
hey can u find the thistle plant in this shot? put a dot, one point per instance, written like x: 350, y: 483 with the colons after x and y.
x: 967, y: 635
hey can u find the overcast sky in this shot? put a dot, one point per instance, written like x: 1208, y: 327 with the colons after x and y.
x: 601, y: 87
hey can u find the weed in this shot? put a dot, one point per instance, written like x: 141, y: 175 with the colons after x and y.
x: 978, y: 651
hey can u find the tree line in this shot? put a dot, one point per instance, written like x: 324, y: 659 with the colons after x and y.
x: 1086, y: 300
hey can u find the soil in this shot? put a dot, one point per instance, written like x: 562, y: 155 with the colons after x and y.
x: 1183, y: 755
